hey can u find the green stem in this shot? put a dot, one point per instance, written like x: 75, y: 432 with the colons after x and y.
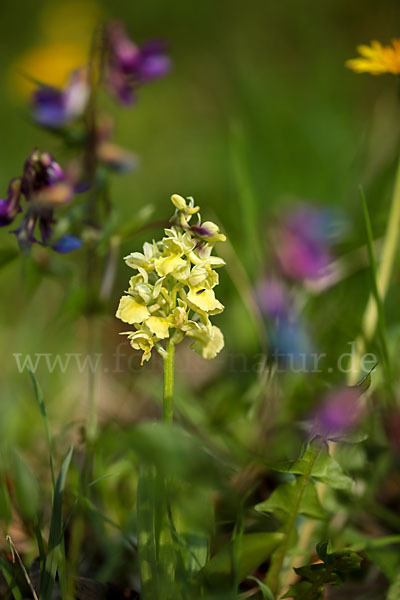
x: 168, y: 404
x: 278, y: 558
x: 384, y: 272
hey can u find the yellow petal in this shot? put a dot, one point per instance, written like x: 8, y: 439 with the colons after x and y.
x: 204, y: 299
x: 165, y: 266
x: 158, y: 326
x: 130, y: 311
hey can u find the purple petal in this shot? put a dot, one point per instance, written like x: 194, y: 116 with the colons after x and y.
x: 49, y: 107
x: 338, y: 413
x: 153, y: 67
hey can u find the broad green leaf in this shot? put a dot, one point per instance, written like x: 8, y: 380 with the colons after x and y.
x: 56, y: 533
x: 283, y: 500
x: 325, y: 468
x: 333, y: 570
x: 319, y: 574
x: 255, y: 549
x: 305, y: 589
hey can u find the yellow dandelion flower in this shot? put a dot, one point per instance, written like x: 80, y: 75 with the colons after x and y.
x: 377, y: 59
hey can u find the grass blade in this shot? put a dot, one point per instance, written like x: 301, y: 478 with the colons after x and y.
x: 148, y: 532
x: 374, y: 284
x: 10, y: 579
x: 56, y: 533
x: 42, y: 408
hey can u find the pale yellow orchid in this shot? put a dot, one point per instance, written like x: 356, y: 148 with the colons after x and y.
x: 172, y: 295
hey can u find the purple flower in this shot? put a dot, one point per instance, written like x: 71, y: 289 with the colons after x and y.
x: 129, y: 66
x: 55, y: 108
x: 44, y: 185
x: 10, y: 207
x: 303, y: 243
x: 338, y: 414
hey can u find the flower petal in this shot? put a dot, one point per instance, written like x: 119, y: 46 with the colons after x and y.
x: 130, y: 311
x: 159, y: 326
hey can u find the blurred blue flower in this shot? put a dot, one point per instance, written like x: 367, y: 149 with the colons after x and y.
x: 67, y: 243
x: 289, y: 342
x: 55, y: 108
x: 129, y: 66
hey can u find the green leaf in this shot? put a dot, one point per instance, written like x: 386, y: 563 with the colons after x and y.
x: 55, y: 544
x: 333, y: 570
x: 305, y: 590
x: 325, y: 468
x: 364, y: 384
x: 255, y: 548
x: 283, y: 500
x: 264, y: 589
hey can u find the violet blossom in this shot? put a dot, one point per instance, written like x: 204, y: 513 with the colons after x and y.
x: 338, y: 413
x: 44, y: 186
x: 130, y: 66
x: 55, y: 108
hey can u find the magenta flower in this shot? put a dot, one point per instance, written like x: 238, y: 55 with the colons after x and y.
x: 338, y: 414
x: 130, y: 66
x: 55, y: 108
x: 44, y: 186
x: 303, y: 243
